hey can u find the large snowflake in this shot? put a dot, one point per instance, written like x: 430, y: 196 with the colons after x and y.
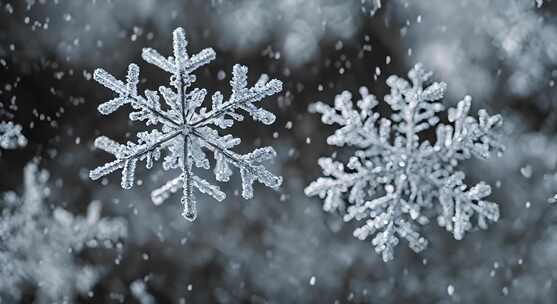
x: 40, y: 246
x: 185, y: 129
x: 397, y: 178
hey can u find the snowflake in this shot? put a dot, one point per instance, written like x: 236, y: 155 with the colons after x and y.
x: 39, y: 246
x: 140, y: 293
x: 11, y: 136
x: 371, y: 6
x: 397, y: 177
x: 184, y: 127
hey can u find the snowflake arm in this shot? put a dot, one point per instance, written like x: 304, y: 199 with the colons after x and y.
x: 394, y: 174
x: 468, y: 136
x: 248, y: 163
x: 147, y: 108
x: 459, y: 204
x: 185, y: 129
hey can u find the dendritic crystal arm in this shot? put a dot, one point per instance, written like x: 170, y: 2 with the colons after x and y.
x: 148, y: 149
x: 148, y: 109
x: 459, y: 204
x: 337, y: 182
x: 248, y: 164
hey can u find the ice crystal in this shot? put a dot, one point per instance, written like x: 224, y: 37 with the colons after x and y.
x: 185, y: 129
x: 38, y: 245
x: 11, y: 136
x: 397, y: 177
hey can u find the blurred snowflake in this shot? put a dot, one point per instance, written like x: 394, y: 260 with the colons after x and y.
x: 139, y: 292
x: 396, y: 175
x: 480, y: 45
x: 38, y: 246
x: 185, y: 127
x: 297, y: 27
x: 11, y: 136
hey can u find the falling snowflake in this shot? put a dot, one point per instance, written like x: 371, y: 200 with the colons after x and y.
x: 397, y: 177
x: 39, y: 246
x: 371, y: 6
x: 140, y: 293
x: 11, y: 136
x: 184, y: 127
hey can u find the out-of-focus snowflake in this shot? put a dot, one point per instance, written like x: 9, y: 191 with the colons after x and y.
x: 139, y: 291
x: 397, y: 177
x: 39, y: 246
x: 11, y: 136
x: 297, y: 26
x: 185, y: 129
x: 460, y: 40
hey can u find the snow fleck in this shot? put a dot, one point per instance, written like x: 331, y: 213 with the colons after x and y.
x: 450, y: 290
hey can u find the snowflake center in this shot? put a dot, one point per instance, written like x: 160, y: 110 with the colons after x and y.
x: 186, y: 129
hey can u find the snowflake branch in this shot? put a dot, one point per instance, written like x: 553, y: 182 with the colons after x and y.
x: 262, y: 175
x: 188, y: 199
x: 159, y: 195
x: 127, y: 93
x: 120, y: 162
x: 255, y: 94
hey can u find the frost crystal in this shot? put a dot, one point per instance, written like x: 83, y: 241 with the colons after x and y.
x: 185, y: 129
x: 396, y: 178
x: 38, y: 246
x: 11, y: 136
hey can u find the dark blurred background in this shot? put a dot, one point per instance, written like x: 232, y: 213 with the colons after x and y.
x: 280, y: 246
